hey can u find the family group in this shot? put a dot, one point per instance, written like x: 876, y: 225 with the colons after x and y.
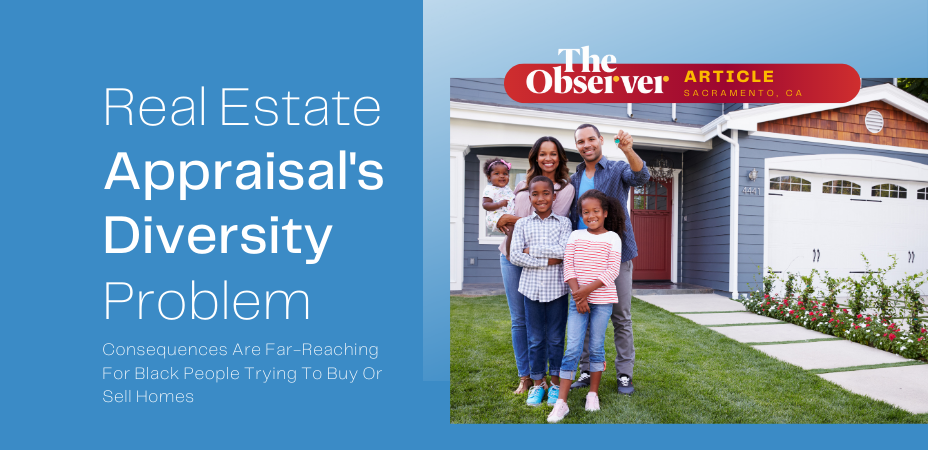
x: 567, y: 264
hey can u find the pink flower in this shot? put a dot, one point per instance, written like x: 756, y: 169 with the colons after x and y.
x: 892, y: 336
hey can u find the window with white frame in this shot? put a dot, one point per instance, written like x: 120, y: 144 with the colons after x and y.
x: 516, y: 174
x: 922, y: 194
x: 790, y: 183
x: 840, y: 187
x: 888, y: 191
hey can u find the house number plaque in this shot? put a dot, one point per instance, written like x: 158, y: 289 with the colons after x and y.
x: 750, y: 191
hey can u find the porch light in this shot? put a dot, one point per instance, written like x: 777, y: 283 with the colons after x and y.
x: 661, y: 172
x: 752, y: 175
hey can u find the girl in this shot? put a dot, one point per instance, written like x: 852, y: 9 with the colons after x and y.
x: 591, y: 264
x: 537, y: 245
x: 497, y: 197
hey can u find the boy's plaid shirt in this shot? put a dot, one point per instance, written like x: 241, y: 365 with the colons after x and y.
x: 545, y: 238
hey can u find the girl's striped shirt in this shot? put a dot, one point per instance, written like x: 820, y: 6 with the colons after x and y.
x: 589, y: 257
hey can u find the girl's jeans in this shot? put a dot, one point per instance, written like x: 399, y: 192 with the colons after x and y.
x: 511, y: 276
x: 597, y: 320
x: 546, y: 322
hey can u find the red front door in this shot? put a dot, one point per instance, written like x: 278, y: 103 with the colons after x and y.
x: 651, y: 220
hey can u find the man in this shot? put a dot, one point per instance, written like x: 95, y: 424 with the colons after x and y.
x: 612, y: 178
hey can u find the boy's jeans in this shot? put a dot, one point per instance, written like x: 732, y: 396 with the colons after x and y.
x: 546, y: 322
x: 597, y: 320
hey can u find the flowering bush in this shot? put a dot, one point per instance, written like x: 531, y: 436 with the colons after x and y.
x: 854, y: 324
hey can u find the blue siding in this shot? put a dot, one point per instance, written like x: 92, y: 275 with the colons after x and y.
x: 705, y: 205
x: 867, y: 82
x: 491, y: 90
x: 754, y: 150
x: 730, y: 107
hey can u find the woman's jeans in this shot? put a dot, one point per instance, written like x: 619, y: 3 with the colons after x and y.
x: 546, y: 322
x: 511, y: 276
x: 597, y: 320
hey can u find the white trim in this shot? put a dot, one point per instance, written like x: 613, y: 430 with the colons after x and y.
x: 518, y: 164
x: 630, y: 115
x: 667, y: 135
x: 864, y: 166
x: 674, y: 224
x: 456, y: 205
x: 816, y: 140
x: 735, y: 158
x: 748, y: 119
x: 765, y: 185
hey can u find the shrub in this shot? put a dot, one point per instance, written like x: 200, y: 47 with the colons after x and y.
x: 826, y: 316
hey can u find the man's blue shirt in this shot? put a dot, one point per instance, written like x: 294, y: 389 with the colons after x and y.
x: 585, y: 185
x: 613, y: 178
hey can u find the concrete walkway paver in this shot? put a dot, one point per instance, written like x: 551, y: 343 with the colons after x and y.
x: 728, y: 318
x: 770, y: 333
x: 905, y: 387
x: 692, y: 302
x: 829, y: 354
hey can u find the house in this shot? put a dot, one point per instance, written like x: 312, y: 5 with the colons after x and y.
x: 793, y: 187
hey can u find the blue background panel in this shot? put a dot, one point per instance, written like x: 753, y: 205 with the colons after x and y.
x: 58, y: 150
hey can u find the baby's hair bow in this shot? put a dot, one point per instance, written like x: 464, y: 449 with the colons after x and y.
x: 508, y: 166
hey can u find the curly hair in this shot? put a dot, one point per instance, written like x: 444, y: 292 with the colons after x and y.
x: 615, y: 215
x: 488, y: 166
x: 561, y: 173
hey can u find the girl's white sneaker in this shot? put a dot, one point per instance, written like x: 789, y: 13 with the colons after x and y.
x: 560, y: 410
x: 592, y: 402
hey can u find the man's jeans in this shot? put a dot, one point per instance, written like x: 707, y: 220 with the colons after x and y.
x: 511, y: 275
x: 622, y: 325
x: 546, y: 322
x: 596, y: 322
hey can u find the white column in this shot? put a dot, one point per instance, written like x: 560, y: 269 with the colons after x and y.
x: 674, y: 225
x: 733, y: 224
x: 457, y: 215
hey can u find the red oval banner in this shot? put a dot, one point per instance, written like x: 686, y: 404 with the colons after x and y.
x: 682, y: 83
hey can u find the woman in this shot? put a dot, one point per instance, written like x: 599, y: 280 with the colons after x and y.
x: 547, y: 157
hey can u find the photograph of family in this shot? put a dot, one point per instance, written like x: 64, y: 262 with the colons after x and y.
x: 666, y: 263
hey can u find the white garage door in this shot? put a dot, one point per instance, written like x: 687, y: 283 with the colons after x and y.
x: 824, y: 222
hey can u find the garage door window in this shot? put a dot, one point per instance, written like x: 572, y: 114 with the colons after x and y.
x: 789, y: 183
x: 922, y: 194
x: 841, y: 187
x: 888, y: 191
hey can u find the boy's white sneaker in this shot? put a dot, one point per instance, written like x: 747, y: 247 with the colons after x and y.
x: 592, y: 401
x: 560, y: 410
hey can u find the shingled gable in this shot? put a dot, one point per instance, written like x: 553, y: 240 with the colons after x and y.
x: 905, y: 119
x: 847, y: 124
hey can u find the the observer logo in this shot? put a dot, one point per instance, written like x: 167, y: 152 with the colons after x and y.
x: 583, y: 77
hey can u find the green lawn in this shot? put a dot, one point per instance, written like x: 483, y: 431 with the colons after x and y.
x: 684, y: 373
